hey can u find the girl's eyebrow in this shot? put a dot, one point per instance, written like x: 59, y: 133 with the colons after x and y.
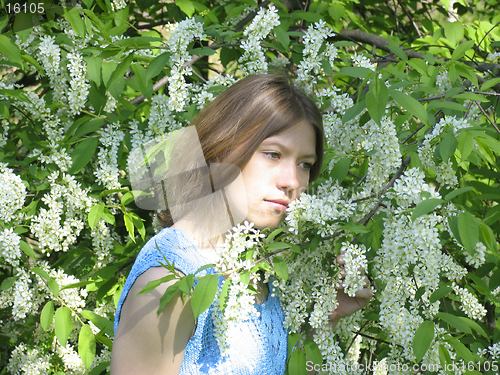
x: 270, y: 142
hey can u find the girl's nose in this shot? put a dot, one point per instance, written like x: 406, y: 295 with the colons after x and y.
x: 288, y: 178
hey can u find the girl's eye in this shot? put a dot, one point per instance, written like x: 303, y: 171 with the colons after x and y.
x: 306, y: 165
x: 273, y: 155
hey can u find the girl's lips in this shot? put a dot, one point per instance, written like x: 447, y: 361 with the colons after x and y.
x: 277, y: 205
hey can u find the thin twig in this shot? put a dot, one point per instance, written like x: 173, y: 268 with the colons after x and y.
x: 487, y: 116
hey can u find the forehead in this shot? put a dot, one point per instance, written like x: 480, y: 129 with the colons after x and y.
x: 299, y: 137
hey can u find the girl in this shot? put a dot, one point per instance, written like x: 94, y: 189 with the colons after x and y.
x: 273, y: 133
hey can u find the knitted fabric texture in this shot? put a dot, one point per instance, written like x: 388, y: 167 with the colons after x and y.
x: 257, y: 346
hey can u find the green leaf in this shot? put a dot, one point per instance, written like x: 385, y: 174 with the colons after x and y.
x: 171, y: 291
x: 353, y: 112
x: 297, y: 363
x: 440, y: 293
x: 94, y: 70
x: 205, y: 51
x: 100, y: 322
x: 423, y: 339
x: 308, y: 16
x: 108, y: 216
x: 425, y: 207
x: 398, y: 52
x: 447, y: 147
x: 282, y: 36
x: 463, y: 352
x: 455, y: 321
x: 63, y: 324
x: 26, y: 248
x: 74, y: 18
x: 469, y: 231
x: 86, y: 345
x: 411, y: 105
x: 7, y: 283
x: 43, y: 274
x: 10, y: 50
x: 53, y: 286
x: 152, y: 285
x: 454, y: 193
x: 459, y: 52
x: 224, y: 294
x: 280, y: 267
x: 454, y: 32
x: 489, y: 84
x: 47, y: 315
x: 95, y: 214
x: 186, y: 283
x: 157, y: 65
x: 312, y: 352
x: 354, y: 228
x: 120, y: 70
x: 355, y: 71
x: 203, y: 268
x: 82, y: 154
x: 465, y: 144
x: 204, y: 294
x: 376, y: 99
x: 445, y: 359
x: 186, y: 6
x: 129, y: 224
x: 340, y: 170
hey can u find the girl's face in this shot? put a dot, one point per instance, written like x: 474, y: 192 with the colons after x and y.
x: 277, y: 173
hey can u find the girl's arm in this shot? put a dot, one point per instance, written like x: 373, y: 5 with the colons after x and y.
x: 146, y: 343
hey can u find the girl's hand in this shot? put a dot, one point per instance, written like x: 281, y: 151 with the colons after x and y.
x: 349, y: 305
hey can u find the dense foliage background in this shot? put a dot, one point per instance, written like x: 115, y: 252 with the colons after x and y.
x: 410, y: 185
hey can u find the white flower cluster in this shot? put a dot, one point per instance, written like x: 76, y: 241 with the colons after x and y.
x: 5, y: 134
x: 324, y: 295
x: 411, y: 189
x: 118, y: 4
x: 411, y: 245
x: 470, y: 305
x: 327, y: 210
x: 240, y: 306
x: 183, y: 34
x: 355, y: 263
x: 240, y: 302
x: 25, y: 361
x: 10, y: 249
x: 363, y: 62
x: 67, y: 199
x: 310, y: 67
x: 79, y: 86
x: 443, y: 82
x: 12, y: 194
x: 478, y: 258
x: 339, y: 102
x: 203, y: 95
x: 445, y: 173
x: 253, y: 59
x: 493, y: 56
x: 73, y: 363
x: 107, y: 158
x: 53, y: 130
x: 240, y: 238
x: 387, y: 157
x: 50, y: 58
x: 25, y: 296
x: 493, y: 351
x: 160, y: 117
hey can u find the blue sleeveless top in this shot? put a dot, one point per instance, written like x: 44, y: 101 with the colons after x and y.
x: 260, y: 347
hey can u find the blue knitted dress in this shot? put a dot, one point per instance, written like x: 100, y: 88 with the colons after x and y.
x: 258, y: 345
